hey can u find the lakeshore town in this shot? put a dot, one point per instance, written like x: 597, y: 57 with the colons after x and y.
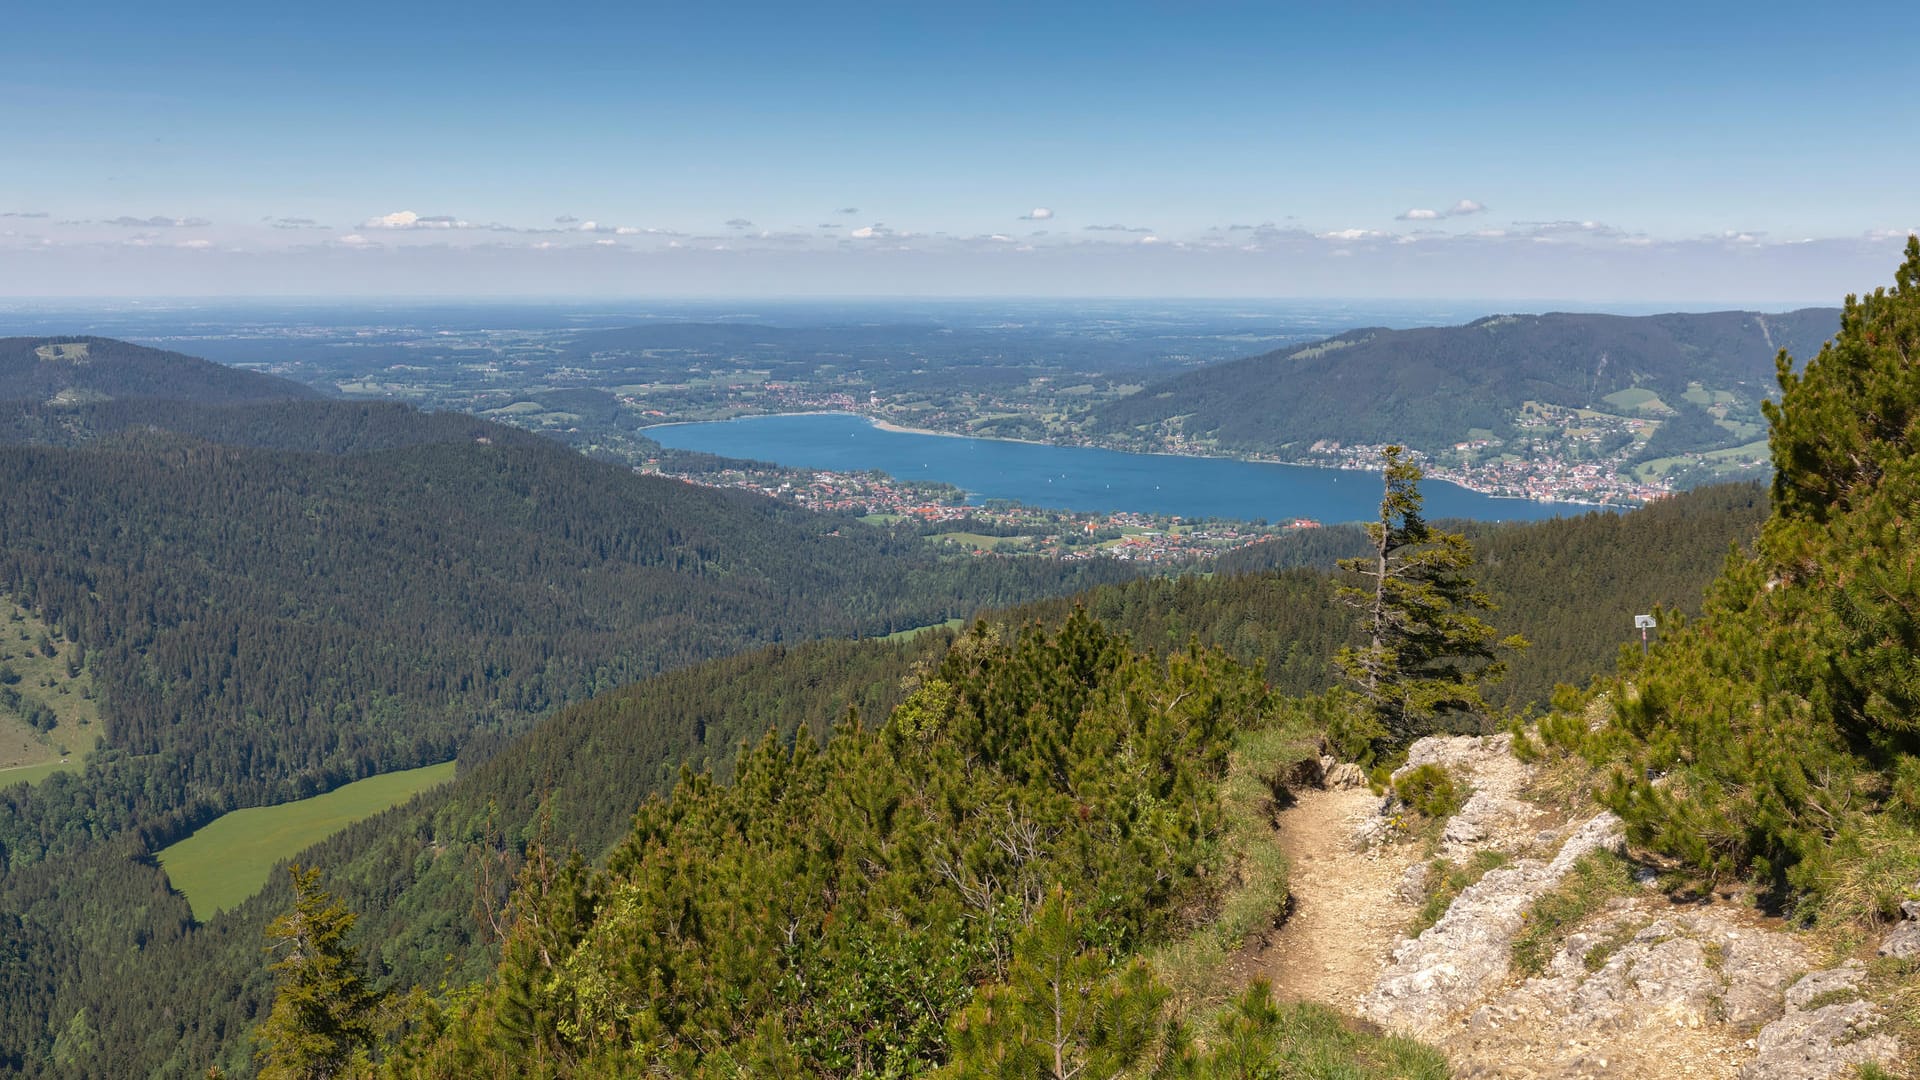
x: 1576, y: 456
x: 1540, y: 470
x: 941, y: 512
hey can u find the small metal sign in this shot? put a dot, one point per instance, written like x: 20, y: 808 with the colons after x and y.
x: 1643, y: 623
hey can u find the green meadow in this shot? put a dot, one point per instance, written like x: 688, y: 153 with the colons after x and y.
x: 915, y: 631
x: 229, y: 858
x: 49, y: 715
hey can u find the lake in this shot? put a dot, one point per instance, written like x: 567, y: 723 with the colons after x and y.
x: 1081, y: 478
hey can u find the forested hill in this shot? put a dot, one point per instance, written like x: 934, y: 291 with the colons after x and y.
x: 266, y: 624
x: 576, y: 779
x: 1428, y: 388
x: 83, y: 370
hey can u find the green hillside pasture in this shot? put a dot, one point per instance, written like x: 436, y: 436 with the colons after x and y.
x: 35, y: 666
x: 1731, y: 458
x: 974, y: 540
x: 229, y: 858
x: 915, y: 631
x: 1639, y: 399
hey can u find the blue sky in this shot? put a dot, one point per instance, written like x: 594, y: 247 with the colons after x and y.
x: 1627, y: 152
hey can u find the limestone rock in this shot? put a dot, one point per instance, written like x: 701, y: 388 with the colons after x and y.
x: 1345, y: 776
x: 1494, y: 815
x: 1462, y: 958
x: 1825, y: 1042
x: 1903, y: 941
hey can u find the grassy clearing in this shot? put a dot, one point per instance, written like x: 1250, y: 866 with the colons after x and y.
x: 1631, y: 398
x: 977, y: 540
x: 915, y: 631
x: 72, y: 352
x: 229, y: 859
x: 49, y: 717
x: 1732, y: 456
x: 1700, y: 395
x: 33, y: 774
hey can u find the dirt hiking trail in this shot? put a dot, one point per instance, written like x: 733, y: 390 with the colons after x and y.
x: 1347, y: 914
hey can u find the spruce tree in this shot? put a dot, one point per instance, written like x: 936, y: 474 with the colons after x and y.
x: 1427, y: 649
x: 323, y: 1009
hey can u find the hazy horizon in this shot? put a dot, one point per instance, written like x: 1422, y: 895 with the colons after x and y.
x: 1707, y: 154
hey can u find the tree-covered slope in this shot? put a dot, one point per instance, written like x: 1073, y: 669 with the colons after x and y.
x: 1428, y: 387
x: 169, y: 998
x: 961, y: 890
x: 575, y: 779
x: 80, y: 370
x: 268, y: 624
x: 1777, y: 737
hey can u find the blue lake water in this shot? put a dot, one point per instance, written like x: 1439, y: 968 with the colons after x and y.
x: 1081, y: 478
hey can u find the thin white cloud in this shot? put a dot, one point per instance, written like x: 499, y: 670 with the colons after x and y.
x: 739, y: 223
x: 24, y: 213
x: 565, y: 219
x: 408, y: 220
x: 873, y: 231
x: 1462, y: 208
x: 157, y: 222
x: 1038, y: 213
x: 1118, y: 228
x: 1353, y: 234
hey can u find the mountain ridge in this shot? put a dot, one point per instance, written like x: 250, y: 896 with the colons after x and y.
x: 1428, y: 387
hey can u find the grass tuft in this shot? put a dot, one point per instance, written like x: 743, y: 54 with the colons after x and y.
x: 1596, y: 878
x: 1446, y: 881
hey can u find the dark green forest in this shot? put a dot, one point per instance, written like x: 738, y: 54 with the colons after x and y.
x: 75, y: 371
x: 575, y: 779
x: 432, y: 575
x: 279, y: 595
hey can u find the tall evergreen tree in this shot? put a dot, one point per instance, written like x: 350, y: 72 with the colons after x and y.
x: 323, y: 1009
x: 1427, y: 649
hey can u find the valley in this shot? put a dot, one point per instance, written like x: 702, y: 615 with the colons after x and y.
x: 1156, y: 541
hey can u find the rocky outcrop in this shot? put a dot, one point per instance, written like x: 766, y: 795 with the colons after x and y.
x: 1903, y: 941
x: 1436, y: 978
x: 1644, y: 988
x: 1643, y: 991
x: 1827, y: 1031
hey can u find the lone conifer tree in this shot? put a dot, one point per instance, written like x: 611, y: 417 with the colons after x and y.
x: 323, y: 1009
x: 1427, y: 649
